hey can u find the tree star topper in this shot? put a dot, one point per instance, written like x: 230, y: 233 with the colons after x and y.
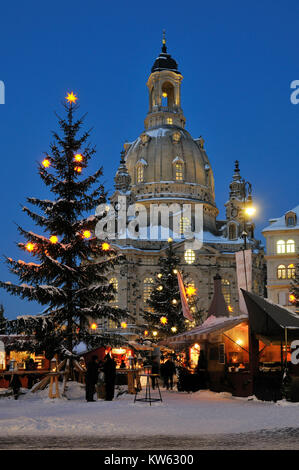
x: 71, y: 98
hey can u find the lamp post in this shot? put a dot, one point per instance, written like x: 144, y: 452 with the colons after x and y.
x: 248, y: 208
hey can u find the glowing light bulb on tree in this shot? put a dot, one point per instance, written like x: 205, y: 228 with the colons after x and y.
x: 93, y: 326
x: 46, y: 163
x: 174, y: 329
x: 53, y: 239
x: 105, y: 246
x: 292, y: 298
x: 86, y: 234
x: 78, y: 157
x: 191, y: 290
x: 163, y: 320
x: 123, y: 324
x: 30, y: 246
x: 78, y: 169
x: 71, y: 98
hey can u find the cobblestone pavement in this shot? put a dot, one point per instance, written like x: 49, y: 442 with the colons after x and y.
x: 282, y: 439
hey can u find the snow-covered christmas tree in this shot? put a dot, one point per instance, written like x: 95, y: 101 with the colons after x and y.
x: 64, y: 277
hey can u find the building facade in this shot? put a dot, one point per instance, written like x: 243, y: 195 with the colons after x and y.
x: 282, y: 248
x: 166, y: 166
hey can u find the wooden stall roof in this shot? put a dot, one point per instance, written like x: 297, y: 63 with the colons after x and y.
x: 211, y: 325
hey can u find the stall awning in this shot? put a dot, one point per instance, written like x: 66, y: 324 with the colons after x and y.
x: 269, y: 319
x: 211, y: 325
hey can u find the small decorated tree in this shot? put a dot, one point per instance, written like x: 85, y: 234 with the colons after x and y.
x: 164, y: 314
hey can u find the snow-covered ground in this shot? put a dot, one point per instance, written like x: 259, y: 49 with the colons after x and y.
x: 180, y: 414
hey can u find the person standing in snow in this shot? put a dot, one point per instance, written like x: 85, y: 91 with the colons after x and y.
x: 91, y: 378
x: 15, y: 384
x: 109, y: 369
x: 169, y: 372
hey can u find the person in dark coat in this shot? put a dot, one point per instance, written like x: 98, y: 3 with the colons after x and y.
x: 15, y: 384
x: 109, y: 369
x: 30, y: 365
x: 91, y: 378
x: 169, y: 371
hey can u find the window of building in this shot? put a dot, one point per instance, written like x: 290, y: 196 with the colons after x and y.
x: 226, y: 291
x: 232, y: 232
x: 290, y: 221
x: 280, y: 247
x: 290, y: 246
x: 281, y: 272
x: 185, y: 225
x: 291, y: 271
x: 148, y: 285
x: 179, y: 171
x: 189, y: 256
x: 140, y: 174
x: 114, y: 282
x: 169, y: 121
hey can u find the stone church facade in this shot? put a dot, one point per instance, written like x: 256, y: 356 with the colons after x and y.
x: 166, y: 165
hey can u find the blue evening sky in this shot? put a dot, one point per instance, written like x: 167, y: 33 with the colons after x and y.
x: 238, y: 59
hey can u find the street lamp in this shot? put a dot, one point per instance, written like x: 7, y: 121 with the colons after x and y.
x: 248, y: 208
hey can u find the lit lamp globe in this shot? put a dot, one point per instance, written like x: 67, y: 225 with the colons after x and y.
x: 53, y: 364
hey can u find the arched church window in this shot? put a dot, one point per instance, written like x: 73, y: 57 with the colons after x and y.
x: 280, y: 247
x: 290, y: 246
x: 281, y: 271
x: 185, y: 225
x: 167, y: 94
x: 291, y: 271
x: 148, y: 285
x: 232, y: 232
x: 179, y: 171
x: 226, y: 291
x: 189, y: 256
x: 114, y: 282
x: 140, y: 174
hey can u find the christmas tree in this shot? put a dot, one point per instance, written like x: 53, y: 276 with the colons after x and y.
x: 69, y: 276
x: 294, y: 291
x: 164, y: 314
x: 2, y: 321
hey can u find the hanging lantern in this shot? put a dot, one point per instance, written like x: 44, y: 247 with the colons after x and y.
x: 78, y: 157
x: 53, y: 364
x: 53, y: 239
x: 292, y: 298
x: 71, y: 98
x: 86, y: 234
x: 163, y: 320
x: 46, y: 163
x: 30, y: 246
x: 190, y: 290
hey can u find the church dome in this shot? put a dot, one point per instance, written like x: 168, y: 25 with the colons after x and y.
x: 167, y: 161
